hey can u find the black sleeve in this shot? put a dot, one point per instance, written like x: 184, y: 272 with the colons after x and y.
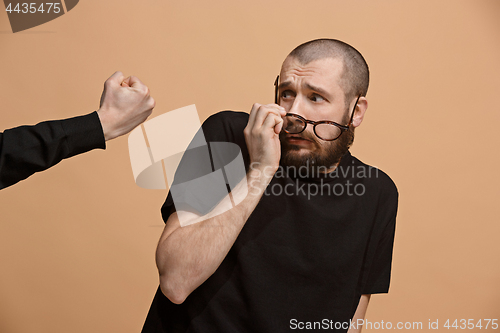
x: 25, y: 150
x: 379, y: 276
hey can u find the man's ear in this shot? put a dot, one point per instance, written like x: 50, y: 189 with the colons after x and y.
x: 359, y: 113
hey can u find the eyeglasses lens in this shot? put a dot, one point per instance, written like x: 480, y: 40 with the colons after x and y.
x: 327, y: 131
x: 293, y: 125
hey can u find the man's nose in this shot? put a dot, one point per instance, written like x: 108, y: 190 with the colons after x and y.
x: 298, y: 107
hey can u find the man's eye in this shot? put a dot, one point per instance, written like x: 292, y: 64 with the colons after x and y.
x: 287, y: 94
x: 317, y: 98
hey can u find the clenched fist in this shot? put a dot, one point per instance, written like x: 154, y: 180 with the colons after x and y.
x: 125, y: 103
x: 262, y: 135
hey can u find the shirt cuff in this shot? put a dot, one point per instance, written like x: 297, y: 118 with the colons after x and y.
x: 83, y: 133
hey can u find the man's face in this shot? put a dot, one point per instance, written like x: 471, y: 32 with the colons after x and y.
x: 313, y: 91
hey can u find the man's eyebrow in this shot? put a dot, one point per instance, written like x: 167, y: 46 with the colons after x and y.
x: 284, y: 84
x: 307, y: 85
x: 317, y: 89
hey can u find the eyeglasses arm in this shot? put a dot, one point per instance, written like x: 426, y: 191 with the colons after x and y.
x: 276, y: 89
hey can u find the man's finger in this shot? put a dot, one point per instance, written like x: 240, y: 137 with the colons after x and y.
x: 134, y: 82
x: 278, y: 127
x: 253, y: 114
x: 263, y: 113
x: 126, y: 82
x: 116, y: 78
x: 271, y: 121
x: 152, y: 103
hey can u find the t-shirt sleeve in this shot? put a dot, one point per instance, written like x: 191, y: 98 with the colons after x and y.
x: 225, y: 126
x: 25, y: 150
x: 379, y: 275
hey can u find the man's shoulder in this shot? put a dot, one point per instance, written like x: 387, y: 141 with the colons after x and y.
x: 226, y: 126
x: 375, y: 177
x: 227, y: 118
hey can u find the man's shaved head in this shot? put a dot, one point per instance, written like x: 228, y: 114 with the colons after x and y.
x: 355, y: 75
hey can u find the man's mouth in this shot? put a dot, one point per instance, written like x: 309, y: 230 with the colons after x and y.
x: 295, y: 139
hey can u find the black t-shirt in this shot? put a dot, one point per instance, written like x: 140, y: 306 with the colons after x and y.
x: 310, y: 249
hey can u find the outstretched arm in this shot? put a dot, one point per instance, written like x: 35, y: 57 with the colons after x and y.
x: 24, y: 150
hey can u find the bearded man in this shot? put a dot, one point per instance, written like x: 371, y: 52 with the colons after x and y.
x: 311, y: 239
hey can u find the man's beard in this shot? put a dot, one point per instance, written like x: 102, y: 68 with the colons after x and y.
x: 329, y: 156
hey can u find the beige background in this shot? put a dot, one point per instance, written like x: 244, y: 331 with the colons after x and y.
x: 77, y: 241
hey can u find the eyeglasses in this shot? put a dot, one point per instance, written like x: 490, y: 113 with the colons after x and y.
x: 325, y: 130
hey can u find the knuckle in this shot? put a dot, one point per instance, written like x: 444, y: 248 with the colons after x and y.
x: 273, y: 110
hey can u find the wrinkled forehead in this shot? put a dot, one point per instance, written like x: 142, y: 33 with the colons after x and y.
x: 324, y: 71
